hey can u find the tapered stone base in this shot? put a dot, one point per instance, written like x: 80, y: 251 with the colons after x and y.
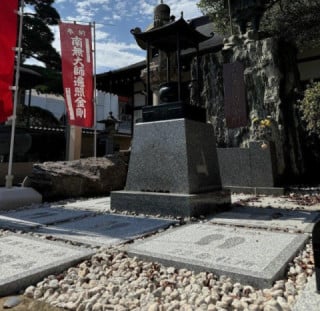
x: 174, y: 156
x: 170, y: 204
x: 173, y: 171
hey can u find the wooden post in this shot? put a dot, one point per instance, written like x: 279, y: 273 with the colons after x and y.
x: 74, y: 140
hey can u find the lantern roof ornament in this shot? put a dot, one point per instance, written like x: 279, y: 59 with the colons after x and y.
x: 165, y: 37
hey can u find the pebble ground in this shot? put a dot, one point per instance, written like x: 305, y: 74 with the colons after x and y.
x: 111, y: 280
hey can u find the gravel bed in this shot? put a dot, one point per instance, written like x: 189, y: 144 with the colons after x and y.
x: 111, y: 280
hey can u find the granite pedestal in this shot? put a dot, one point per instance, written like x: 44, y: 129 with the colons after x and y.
x: 173, y: 204
x: 173, y: 170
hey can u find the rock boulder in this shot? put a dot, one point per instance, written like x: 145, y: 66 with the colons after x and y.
x: 78, y: 178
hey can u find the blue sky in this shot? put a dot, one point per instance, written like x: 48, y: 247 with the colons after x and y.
x: 115, y: 45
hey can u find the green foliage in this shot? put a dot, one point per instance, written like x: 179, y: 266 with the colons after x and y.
x: 295, y: 20
x: 310, y: 108
x: 218, y: 12
x: 36, y: 116
x: 37, y: 43
x: 37, y: 36
x: 52, y: 82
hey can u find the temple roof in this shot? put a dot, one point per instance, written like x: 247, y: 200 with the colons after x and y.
x: 120, y: 81
x: 165, y: 38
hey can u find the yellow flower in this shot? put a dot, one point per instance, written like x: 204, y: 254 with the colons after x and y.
x: 262, y: 123
x: 267, y: 122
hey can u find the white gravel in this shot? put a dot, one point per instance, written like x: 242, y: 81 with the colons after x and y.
x: 111, y: 280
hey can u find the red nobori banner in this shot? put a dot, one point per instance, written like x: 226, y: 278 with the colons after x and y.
x: 77, y: 72
x: 8, y: 40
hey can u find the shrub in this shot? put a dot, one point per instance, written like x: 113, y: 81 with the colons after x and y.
x: 310, y: 108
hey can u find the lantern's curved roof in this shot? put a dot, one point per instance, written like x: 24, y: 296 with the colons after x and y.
x: 165, y: 38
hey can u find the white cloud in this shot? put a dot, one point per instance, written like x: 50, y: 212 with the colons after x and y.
x: 116, y: 17
x: 101, y: 35
x: 114, y: 55
x: 28, y: 9
x: 33, y: 61
x: 109, y: 55
x: 114, y: 49
x: 147, y: 7
x: 188, y: 7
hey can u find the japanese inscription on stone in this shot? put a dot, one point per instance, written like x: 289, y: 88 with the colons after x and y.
x: 20, y: 254
x: 235, y: 105
x: 26, y: 260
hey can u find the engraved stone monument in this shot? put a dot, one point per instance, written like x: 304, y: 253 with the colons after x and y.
x: 173, y: 168
x: 235, y: 106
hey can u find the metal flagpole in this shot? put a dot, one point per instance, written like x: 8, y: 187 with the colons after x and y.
x: 9, y: 177
x: 95, y: 91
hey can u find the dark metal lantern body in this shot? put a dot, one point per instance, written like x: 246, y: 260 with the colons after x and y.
x: 168, y: 93
x: 170, y: 38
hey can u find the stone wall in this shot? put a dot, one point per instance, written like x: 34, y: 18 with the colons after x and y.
x: 271, y: 80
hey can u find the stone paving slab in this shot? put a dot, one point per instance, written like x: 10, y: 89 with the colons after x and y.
x: 106, y: 229
x: 17, y: 197
x: 308, y: 299
x: 268, y: 218
x: 253, y: 257
x: 25, y: 260
x: 97, y: 204
x: 35, y: 217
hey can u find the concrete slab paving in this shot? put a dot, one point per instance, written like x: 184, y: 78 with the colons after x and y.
x: 308, y: 299
x: 35, y: 217
x: 25, y: 260
x: 17, y: 197
x: 105, y: 229
x: 267, y: 218
x: 101, y: 205
x: 283, y: 202
x: 248, y: 256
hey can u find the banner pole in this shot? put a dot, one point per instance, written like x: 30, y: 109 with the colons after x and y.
x: 95, y: 91
x: 9, y: 177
